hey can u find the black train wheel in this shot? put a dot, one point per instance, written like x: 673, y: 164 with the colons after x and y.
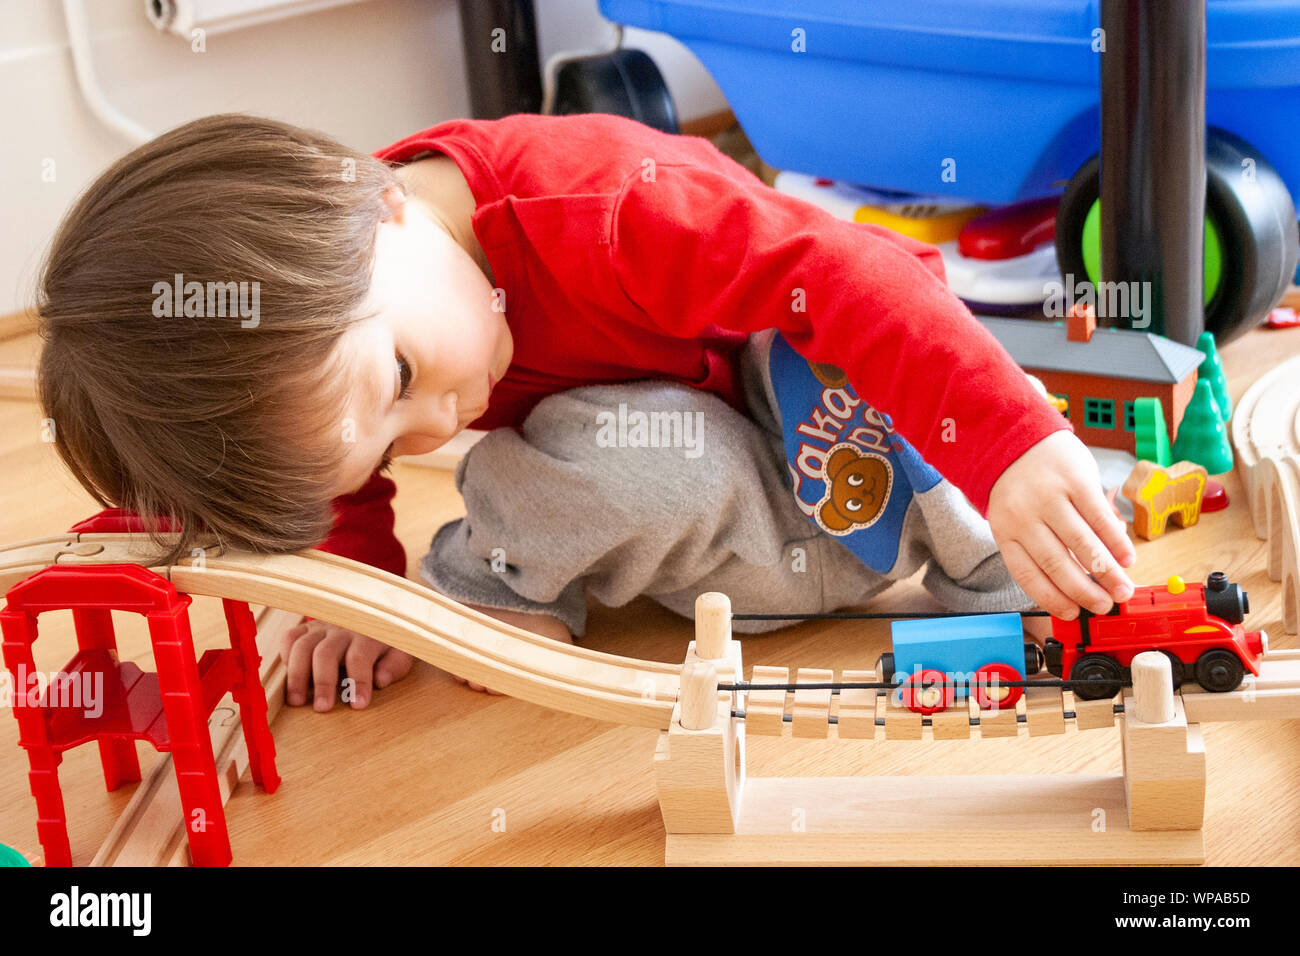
x: 1095, y: 668
x: 1219, y: 671
x: 1177, y: 669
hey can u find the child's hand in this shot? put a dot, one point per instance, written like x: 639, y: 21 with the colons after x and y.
x: 1047, y: 504
x: 313, y: 652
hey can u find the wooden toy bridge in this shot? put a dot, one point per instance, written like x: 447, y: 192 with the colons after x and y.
x: 712, y: 811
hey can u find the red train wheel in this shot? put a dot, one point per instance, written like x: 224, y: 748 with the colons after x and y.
x: 991, y: 690
x: 925, y: 693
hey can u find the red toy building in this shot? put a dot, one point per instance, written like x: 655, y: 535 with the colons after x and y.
x: 1101, y: 372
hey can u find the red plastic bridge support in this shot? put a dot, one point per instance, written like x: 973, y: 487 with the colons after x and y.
x: 169, y: 708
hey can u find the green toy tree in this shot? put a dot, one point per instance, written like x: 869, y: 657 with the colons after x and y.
x: 1201, y: 437
x: 1152, y: 443
x: 1211, y: 371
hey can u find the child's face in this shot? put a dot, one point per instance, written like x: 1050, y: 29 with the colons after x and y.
x: 426, y: 363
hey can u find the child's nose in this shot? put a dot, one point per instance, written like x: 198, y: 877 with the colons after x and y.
x: 447, y: 420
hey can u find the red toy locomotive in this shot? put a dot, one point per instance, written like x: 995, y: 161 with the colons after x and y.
x: 1198, y: 626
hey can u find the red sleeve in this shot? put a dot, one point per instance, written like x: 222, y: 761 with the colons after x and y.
x: 363, y: 527
x: 692, y: 247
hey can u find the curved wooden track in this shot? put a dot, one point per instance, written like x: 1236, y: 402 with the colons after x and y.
x: 1266, y: 435
x: 1266, y: 424
x: 396, y: 611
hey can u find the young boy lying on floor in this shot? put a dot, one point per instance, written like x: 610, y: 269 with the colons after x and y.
x: 245, y: 321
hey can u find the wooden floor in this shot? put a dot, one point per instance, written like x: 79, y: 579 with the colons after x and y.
x: 433, y: 773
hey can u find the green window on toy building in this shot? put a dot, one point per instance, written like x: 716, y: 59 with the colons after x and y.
x: 1130, y: 418
x: 1099, y: 413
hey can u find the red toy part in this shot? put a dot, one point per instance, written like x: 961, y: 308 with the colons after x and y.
x: 1282, y: 318
x: 1010, y: 231
x: 1195, y: 623
x: 928, y: 692
x: 116, y: 520
x: 990, y: 689
x: 1215, y: 497
x: 170, y: 708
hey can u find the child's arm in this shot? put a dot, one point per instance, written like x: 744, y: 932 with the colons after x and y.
x: 692, y: 247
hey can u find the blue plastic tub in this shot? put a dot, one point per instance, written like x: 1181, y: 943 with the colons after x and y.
x: 1002, y: 93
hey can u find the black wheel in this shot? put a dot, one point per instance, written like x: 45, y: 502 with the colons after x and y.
x: 885, y: 668
x: 1033, y: 658
x: 1095, y: 668
x: 1219, y: 671
x: 1176, y: 668
x: 1251, y: 237
x: 624, y: 82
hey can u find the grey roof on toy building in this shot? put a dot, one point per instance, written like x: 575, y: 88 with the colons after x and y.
x: 1114, y: 353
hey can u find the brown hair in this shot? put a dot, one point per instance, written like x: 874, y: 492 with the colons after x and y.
x: 227, y: 426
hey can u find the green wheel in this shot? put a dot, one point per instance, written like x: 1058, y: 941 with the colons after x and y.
x: 1251, y: 237
x: 1092, y: 251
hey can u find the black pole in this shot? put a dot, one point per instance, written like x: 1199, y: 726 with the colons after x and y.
x: 1153, y: 161
x: 501, y: 65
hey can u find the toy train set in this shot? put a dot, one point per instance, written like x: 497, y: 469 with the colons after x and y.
x: 938, y: 662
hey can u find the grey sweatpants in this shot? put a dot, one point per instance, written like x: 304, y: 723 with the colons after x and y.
x: 584, y: 500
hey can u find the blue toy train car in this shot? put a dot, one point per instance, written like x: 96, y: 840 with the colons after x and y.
x: 939, y: 661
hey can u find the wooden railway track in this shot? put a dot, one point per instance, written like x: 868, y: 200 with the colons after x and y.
x: 706, y: 763
x: 1266, y: 435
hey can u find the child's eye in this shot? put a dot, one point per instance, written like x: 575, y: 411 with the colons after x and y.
x: 404, y: 372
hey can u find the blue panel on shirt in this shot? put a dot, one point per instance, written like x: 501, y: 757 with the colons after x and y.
x: 832, y: 434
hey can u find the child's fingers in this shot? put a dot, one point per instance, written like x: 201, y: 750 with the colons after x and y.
x: 392, y: 666
x: 1035, y: 583
x: 297, y: 666
x: 1070, y: 528
x: 325, y: 662
x: 1100, y: 515
x: 359, y: 662
x: 1051, y: 555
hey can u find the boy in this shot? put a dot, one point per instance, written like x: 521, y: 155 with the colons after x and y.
x: 465, y: 276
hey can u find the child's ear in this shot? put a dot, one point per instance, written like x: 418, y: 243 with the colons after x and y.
x: 395, y: 200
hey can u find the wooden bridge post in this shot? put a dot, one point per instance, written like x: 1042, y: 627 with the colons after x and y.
x: 700, y: 760
x: 1164, y: 756
x: 697, y: 773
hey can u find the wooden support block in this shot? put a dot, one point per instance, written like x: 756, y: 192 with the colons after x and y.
x: 1093, y: 714
x: 765, y: 709
x: 1164, y: 773
x: 951, y: 724
x: 1044, y: 711
x: 955, y: 820
x: 699, y: 774
x: 857, y: 711
x: 900, y: 723
x: 812, y: 708
x: 997, y: 723
x: 1164, y: 758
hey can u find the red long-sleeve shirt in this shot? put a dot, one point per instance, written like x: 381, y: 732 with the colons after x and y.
x: 626, y: 253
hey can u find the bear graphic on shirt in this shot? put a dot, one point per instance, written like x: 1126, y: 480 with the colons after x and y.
x: 857, y: 487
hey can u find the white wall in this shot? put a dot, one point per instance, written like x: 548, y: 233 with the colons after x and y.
x: 367, y: 73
